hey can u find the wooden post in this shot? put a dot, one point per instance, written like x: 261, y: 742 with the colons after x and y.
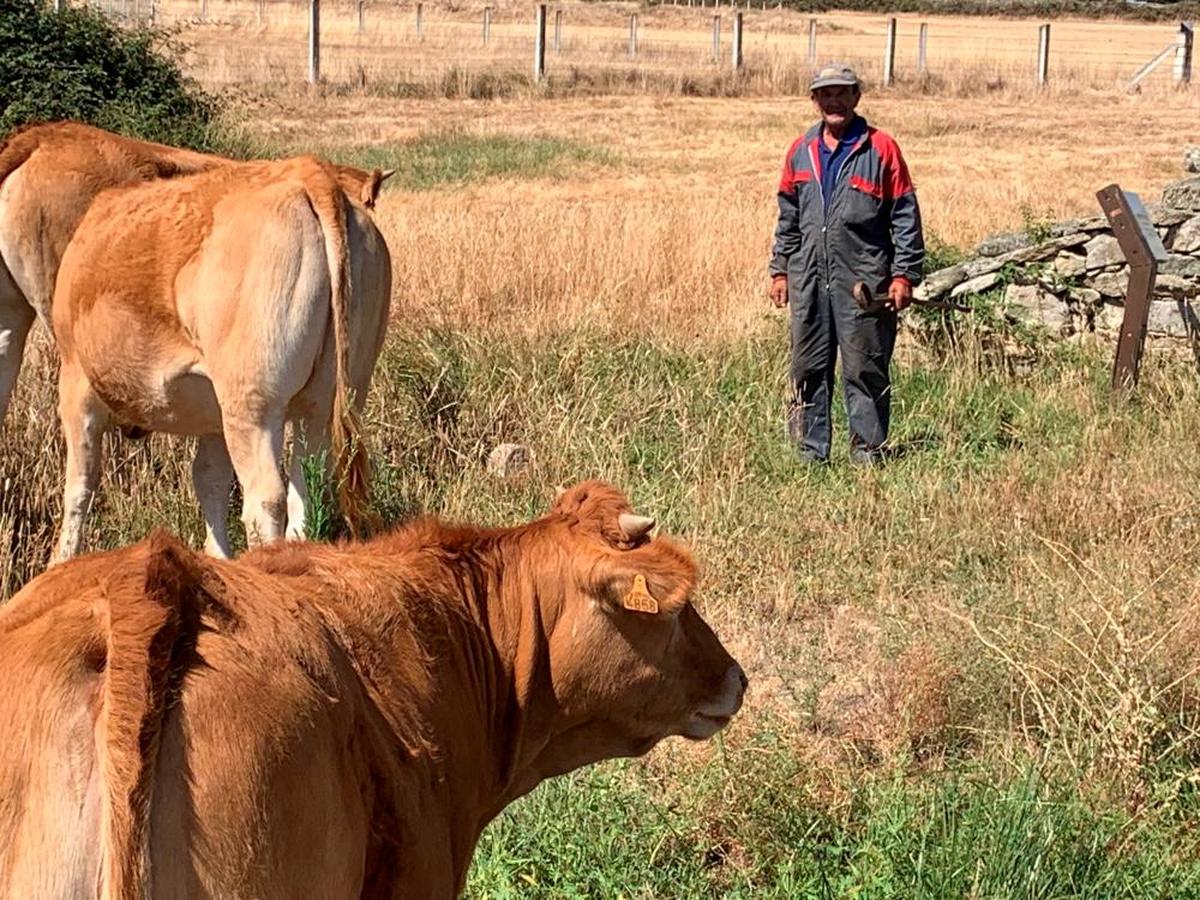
x: 716, y: 40
x: 922, y: 47
x: 1183, y: 53
x: 1143, y: 249
x: 812, y: 42
x: 259, y: 7
x: 314, y: 41
x: 1043, y: 60
x: 60, y: 5
x: 539, y: 45
x: 633, y: 36
x: 203, y: 10
x: 889, y: 54
x: 558, y: 31
x: 420, y: 21
x: 487, y: 24
x: 736, y: 55
x: 360, y: 16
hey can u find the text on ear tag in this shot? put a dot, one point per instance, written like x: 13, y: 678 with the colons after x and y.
x: 639, y: 597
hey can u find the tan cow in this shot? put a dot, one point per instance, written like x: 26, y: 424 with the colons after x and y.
x: 224, y: 305
x: 49, y: 175
x: 325, y: 721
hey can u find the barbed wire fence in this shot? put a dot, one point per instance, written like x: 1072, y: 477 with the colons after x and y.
x: 381, y: 42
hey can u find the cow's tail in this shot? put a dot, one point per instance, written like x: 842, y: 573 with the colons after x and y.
x: 150, y: 629
x: 350, y: 463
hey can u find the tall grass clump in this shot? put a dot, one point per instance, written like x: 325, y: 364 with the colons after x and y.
x: 77, y: 64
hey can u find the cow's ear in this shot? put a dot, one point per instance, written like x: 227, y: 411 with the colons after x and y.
x: 373, y: 185
x: 645, y: 593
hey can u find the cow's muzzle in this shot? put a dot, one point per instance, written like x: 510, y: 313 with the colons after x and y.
x: 715, y: 714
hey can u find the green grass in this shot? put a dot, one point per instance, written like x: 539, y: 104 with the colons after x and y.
x: 745, y: 826
x: 1014, y: 594
x: 456, y: 158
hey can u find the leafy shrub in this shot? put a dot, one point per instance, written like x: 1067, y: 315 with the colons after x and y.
x: 76, y: 64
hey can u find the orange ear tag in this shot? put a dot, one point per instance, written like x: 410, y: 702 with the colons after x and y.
x: 639, y: 597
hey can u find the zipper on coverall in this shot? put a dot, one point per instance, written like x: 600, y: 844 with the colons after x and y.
x: 843, y: 175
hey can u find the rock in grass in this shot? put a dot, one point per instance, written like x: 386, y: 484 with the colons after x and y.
x: 510, y: 460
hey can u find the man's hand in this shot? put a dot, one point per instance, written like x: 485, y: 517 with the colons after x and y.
x: 778, y: 290
x: 899, y: 294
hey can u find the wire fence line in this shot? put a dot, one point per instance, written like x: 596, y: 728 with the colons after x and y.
x: 266, y: 42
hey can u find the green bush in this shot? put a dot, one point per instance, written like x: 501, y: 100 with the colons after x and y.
x: 78, y: 65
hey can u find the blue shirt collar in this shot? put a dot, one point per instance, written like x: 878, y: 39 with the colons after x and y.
x: 854, y: 132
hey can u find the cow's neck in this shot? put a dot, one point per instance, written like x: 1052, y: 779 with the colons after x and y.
x: 483, y: 700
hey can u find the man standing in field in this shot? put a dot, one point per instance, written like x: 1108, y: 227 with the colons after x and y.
x: 847, y: 213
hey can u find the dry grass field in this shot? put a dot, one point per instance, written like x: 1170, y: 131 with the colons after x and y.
x: 679, y: 212
x: 974, y: 671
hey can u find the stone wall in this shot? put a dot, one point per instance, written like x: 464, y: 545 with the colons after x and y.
x: 1071, y: 277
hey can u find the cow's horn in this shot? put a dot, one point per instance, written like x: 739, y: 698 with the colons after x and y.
x: 386, y: 174
x: 634, y: 526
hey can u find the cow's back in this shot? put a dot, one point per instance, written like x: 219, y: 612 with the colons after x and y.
x: 50, y: 174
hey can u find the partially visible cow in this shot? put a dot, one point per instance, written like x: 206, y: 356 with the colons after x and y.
x: 225, y: 305
x: 49, y: 175
x: 334, y: 721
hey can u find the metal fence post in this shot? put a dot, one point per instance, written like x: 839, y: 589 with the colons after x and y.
x: 60, y: 5
x: 922, y: 47
x: 1043, y: 62
x: 360, y: 16
x: 539, y: 45
x: 812, y: 42
x: 1183, y: 53
x: 737, y: 42
x: 633, y: 36
x: 558, y: 31
x: 716, y: 38
x: 889, y: 54
x: 314, y: 41
x: 487, y: 24
x: 420, y: 21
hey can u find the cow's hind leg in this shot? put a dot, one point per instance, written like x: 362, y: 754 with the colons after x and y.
x: 212, y: 476
x: 84, y: 417
x: 256, y: 450
x: 16, y: 317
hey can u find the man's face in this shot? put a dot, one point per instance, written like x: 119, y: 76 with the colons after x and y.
x: 836, y: 104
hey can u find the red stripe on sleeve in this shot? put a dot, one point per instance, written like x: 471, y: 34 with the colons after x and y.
x: 787, y: 181
x: 896, y: 180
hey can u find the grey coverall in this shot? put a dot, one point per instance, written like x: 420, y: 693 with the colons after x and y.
x: 870, y: 231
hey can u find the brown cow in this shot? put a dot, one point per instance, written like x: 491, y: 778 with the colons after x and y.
x: 224, y: 305
x: 49, y: 175
x: 334, y: 721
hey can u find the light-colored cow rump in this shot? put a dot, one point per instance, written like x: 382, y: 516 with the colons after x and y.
x: 226, y: 305
x: 327, y: 721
